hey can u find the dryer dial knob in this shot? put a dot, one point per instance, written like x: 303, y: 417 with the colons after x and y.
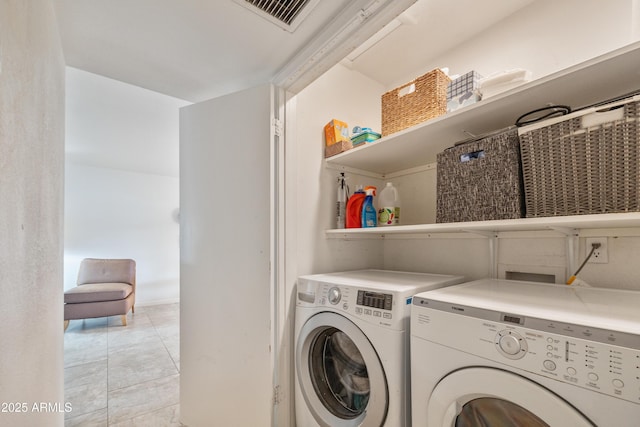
x: 511, y: 344
x: 334, y: 295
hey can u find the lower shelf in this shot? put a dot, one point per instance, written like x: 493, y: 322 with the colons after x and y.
x: 563, y: 224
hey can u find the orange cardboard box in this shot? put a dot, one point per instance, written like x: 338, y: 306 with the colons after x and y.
x: 336, y: 131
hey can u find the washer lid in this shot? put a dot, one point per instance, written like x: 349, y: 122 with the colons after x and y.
x: 611, y: 309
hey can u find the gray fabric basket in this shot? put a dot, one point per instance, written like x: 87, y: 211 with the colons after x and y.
x: 583, y: 163
x: 480, y: 180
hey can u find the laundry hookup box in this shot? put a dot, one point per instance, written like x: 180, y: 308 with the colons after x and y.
x: 480, y: 179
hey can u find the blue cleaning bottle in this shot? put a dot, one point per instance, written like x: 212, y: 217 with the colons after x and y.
x: 369, y: 212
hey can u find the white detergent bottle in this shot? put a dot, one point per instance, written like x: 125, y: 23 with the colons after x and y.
x: 388, y: 206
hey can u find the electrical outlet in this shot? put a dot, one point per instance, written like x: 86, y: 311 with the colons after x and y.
x: 600, y: 255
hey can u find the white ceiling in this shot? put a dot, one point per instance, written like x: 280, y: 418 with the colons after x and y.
x: 199, y: 49
x: 190, y: 49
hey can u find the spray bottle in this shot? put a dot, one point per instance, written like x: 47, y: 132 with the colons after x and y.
x: 369, y: 212
x: 341, y: 205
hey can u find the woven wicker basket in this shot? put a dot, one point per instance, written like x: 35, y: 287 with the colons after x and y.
x: 480, y: 180
x: 403, y: 108
x: 583, y: 163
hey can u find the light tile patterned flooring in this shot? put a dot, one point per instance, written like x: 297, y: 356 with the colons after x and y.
x: 128, y: 376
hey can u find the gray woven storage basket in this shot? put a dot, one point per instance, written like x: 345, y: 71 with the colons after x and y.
x: 583, y: 163
x: 480, y: 180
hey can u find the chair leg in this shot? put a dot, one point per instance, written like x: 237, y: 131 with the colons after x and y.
x: 124, y: 319
x: 66, y: 325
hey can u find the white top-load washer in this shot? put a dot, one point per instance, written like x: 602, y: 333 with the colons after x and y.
x: 508, y: 353
x: 352, y: 346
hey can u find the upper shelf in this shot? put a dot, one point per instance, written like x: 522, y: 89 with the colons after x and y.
x: 613, y: 74
x: 560, y: 223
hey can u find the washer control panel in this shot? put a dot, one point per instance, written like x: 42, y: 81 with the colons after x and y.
x: 380, y: 308
x: 604, y: 361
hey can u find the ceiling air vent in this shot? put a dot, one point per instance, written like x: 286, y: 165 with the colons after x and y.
x: 287, y: 14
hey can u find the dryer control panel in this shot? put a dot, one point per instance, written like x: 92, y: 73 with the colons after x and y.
x: 600, y: 360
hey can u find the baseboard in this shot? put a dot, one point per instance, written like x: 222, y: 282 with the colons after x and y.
x: 158, y: 302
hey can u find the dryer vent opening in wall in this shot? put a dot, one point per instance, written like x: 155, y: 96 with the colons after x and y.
x: 530, y: 277
x: 286, y: 14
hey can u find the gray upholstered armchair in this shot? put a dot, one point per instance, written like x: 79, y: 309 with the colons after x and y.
x: 106, y: 287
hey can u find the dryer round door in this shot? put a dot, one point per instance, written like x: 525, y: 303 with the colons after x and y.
x: 340, y: 374
x: 491, y: 397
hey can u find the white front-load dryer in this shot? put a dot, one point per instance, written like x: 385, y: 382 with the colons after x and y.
x: 352, y: 347
x: 507, y: 353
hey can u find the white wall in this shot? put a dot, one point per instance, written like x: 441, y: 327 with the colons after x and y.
x: 117, y: 125
x: 112, y: 213
x: 353, y: 98
x: 31, y: 209
x: 122, y: 185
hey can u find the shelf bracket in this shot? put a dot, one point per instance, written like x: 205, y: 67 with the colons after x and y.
x: 492, y: 238
x: 571, y: 247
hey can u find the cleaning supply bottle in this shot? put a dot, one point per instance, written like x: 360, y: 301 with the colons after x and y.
x: 341, y: 204
x: 389, y: 206
x: 354, y: 208
x: 369, y: 212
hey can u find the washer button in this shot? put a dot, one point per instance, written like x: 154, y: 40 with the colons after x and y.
x: 571, y: 371
x: 549, y: 365
x: 593, y: 376
x: 617, y: 383
x: 549, y: 340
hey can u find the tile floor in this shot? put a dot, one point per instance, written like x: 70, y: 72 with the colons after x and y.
x: 119, y: 376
